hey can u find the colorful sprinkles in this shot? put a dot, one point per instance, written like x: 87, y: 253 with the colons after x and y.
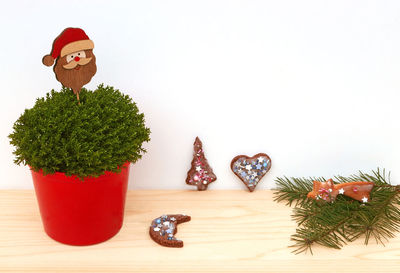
x: 251, y: 169
x: 165, y: 226
x: 163, y: 229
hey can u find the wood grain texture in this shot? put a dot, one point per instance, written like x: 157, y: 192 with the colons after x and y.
x: 230, y: 231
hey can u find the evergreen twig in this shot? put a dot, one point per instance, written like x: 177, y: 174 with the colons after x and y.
x: 334, y: 224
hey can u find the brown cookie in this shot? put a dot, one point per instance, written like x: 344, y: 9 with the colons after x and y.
x: 200, y: 174
x: 328, y: 191
x: 251, y: 169
x: 163, y: 229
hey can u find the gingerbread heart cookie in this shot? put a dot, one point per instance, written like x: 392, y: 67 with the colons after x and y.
x: 251, y: 169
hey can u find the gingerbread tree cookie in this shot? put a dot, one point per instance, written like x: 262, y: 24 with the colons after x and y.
x: 200, y: 174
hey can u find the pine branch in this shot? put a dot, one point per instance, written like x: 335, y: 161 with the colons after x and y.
x: 334, y: 224
x: 324, y: 224
x: 293, y: 190
x: 385, y: 214
x: 305, y: 237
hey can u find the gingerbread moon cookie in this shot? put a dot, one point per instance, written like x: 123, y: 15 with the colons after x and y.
x: 163, y: 229
x: 251, y: 169
x: 200, y: 173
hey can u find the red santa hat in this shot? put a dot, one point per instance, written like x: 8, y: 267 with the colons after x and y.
x: 69, y: 41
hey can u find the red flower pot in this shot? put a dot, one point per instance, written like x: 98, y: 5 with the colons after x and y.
x: 77, y: 212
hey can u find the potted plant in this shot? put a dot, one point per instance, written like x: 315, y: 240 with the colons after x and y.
x: 79, y: 154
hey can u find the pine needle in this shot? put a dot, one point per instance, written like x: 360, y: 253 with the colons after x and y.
x: 335, y: 224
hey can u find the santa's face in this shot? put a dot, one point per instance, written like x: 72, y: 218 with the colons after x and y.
x: 76, y: 69
x: 76, y: 60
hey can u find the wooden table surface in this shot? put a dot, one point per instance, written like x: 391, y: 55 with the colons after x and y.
x: 230, y: 231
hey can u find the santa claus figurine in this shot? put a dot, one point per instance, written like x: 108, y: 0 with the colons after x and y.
x: 75, y: 63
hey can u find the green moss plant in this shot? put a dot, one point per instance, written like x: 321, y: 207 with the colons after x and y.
x: 100, y: 133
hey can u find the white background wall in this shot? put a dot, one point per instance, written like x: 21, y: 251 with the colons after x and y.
x: 315, y: 84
